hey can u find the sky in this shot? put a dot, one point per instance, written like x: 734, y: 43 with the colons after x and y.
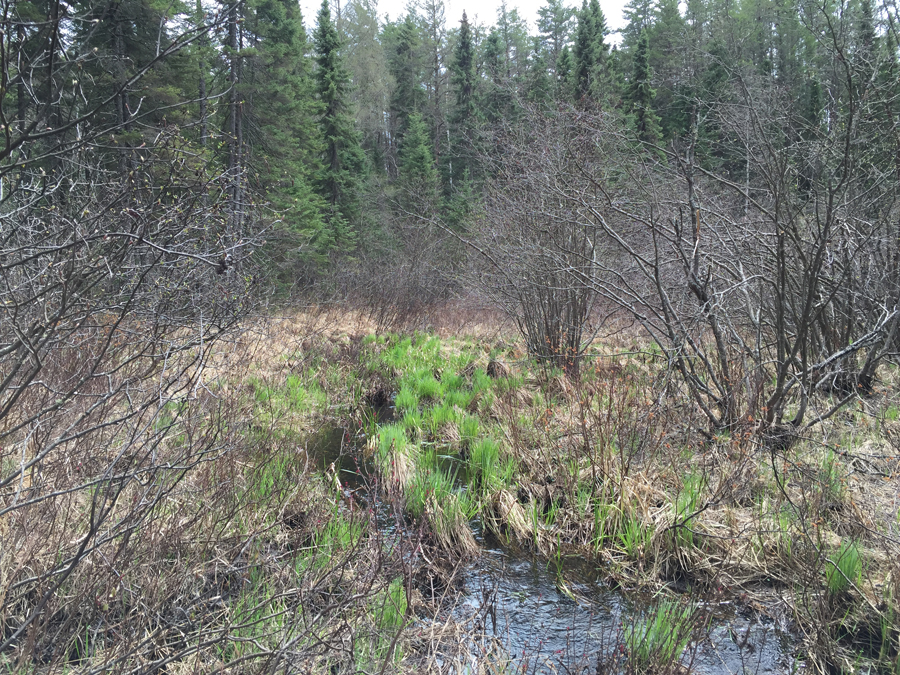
x: 485, y: 11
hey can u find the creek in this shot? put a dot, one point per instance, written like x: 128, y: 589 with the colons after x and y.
x: 559, y: 615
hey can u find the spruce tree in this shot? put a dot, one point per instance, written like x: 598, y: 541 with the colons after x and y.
x: 666, y: 56
x: 407, y: 66
x: 463, y: 81
x: 585, y: 58
x: 418, y: 175
x: 434, y: 46
x: 565, y: 75
x: 343, y: 159
x: 463, y: 78
x: 590, y: 51
x: 281, y: 114
x: 538, y: 86
x: 639, y: 95
x: 812, y: 108
x: 122, y: 38
x: 496, y: 102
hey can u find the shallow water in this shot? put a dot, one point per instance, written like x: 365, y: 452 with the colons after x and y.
x: 542, y: 627
x: 546, y: 630
x: 560, y: 616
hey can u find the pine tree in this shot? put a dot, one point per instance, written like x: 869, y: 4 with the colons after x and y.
x: 372, y: 84
x: 343, y: 160
x: 639, y: 95
x: 513, y: 33
x: 638, y: 15
x: 554, y: 26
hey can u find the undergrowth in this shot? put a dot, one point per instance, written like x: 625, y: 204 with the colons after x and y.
x: 253, y: 549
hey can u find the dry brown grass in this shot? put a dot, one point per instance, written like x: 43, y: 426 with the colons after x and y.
x: 213, y: 537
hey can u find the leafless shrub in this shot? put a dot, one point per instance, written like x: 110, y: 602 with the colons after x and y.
x: 744, y: 287
x: 120, y: 272
x: 538, y: 252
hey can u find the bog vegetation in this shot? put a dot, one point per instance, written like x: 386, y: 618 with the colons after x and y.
x: 634, y: 299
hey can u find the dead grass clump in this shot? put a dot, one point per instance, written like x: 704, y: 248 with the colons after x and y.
x: 556, y: 386
x: 508, y: 515
x: 400, y: 472
x: 450, y: 528
x: 449, y: 434
x: 497, y: 369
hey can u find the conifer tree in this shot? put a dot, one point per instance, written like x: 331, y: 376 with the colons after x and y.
x: 639, y: 95
x: 418, y: 175
x: 372, y: 84
x: 538, y: 87
x: 590, y: 51
x: 463, y: 80
x: 812, y: 109
x: 667, y: 50
x: 639, y: 16
x: 282, y: 115
x: 463, y: 76
x: 565, y: 74
x: 343, y: 159
x: 496, y: 102
x: 554, y: 26
x: 406, y: 61
x: 123, y: 37
x: 513, y: 34
x: 434, y: 43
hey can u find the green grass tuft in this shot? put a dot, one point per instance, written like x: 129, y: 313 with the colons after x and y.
x: 427, y: 387
x: 846, y: 569
x: 634, y: 537
x: 484, y: 460
x: 412, y: 422
x: 406, y: 401
x: 469, y: 428
x: 294, y: 392
x: 459, y: 399
x: 427, y: 482
x: 660, y: 637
